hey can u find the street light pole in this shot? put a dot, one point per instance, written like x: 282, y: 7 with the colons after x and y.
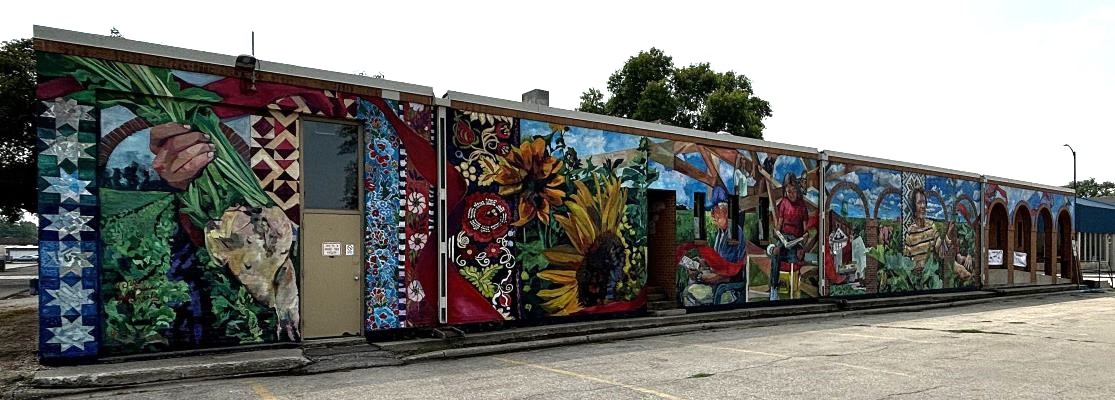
x: 1075, y: 197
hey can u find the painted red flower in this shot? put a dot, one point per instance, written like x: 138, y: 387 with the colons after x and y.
x: 503, y: 149
x: 464, y: 135
x: 493, y: 250
x: 502, y: 129
x: 487, y: 216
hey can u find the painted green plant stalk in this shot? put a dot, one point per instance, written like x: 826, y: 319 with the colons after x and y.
x: 225, y: 181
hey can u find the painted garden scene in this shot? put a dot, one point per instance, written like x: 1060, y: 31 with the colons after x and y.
x: 893, y: 231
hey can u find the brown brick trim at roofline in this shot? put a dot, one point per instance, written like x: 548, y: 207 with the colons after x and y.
x: 463, y: 106
x: 1069, y: 192
x: 853, y: 161
x: 50, y: 46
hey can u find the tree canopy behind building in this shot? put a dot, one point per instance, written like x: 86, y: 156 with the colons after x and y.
x: 650, y: 88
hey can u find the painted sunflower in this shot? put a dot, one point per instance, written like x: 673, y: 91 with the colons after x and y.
x: 530, y: 172
x: 585, y: 269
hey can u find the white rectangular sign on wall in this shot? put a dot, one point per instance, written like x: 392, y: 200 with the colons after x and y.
x: 1020, y: 259
x: 330, y: 249
x: 994, y: 257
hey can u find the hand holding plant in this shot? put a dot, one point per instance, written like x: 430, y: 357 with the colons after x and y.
x: 180, y: 153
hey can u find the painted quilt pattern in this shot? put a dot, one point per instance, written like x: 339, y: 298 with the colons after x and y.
x: 68, y: 252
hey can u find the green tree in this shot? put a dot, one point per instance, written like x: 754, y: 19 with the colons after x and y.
x: 1089, y: 188
x: 17, y: 136
x: 592, y: 101
x: 22, y: 232
x: 650, y: 88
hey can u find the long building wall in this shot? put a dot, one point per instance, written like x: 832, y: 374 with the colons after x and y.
x: 173, y: 204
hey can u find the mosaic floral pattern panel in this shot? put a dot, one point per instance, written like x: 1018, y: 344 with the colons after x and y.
x: 383, y: 194
x: 483, y: 277
x: 420, y: 176
x: 399, y: 219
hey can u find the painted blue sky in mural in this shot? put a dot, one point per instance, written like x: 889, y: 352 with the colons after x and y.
x: 784, y: 164
x: 135, y: 149
x: 1033, y: 199
x: 695, y: 159
x: 873, y: 182
x: 195, y: 78
x: 586, y: 141
x: 681, y: 184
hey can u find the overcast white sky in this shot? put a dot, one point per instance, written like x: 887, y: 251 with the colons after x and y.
x: 993, y: 87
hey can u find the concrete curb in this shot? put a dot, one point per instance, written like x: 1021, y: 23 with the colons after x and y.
x: 141, y: 372
x: 348, y: 354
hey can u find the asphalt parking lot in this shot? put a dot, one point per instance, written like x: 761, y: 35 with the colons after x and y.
x: 16, y: 278
x: 1053, y: 346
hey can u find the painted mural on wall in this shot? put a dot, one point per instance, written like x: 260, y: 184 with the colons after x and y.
x: 545, y: 220
x: 194, y: 250
x: 893, y: 231
x: 746, y: 223
x: 583, y: 247
x: 1032, y: 202
x: 483, y: 280
x: 399, y: 214
x: 179, y: 222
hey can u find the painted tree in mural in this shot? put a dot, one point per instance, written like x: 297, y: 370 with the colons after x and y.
x: 650, y: 88
x: 17, y: 137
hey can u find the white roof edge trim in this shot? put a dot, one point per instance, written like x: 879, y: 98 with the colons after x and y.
x: 180, y: 53
x: 624, y: 122
x: 903, y: 164
x: 1050, y: 188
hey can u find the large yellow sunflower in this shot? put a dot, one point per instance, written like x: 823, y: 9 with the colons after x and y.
x: 582, y: 270
x: 530, y: 172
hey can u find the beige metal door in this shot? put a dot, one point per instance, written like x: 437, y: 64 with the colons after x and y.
x: 332, y: 231
x: 331, y: 299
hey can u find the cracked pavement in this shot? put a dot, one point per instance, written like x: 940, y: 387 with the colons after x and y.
x: 1052, y: 346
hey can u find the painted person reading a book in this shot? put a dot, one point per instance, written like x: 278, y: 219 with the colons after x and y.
x: 790, y: 216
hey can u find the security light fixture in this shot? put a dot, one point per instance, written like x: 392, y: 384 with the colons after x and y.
x: 246, y: 65
x: 246, y: 62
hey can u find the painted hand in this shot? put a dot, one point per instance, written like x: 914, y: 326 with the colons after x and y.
x: 180, y: 153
